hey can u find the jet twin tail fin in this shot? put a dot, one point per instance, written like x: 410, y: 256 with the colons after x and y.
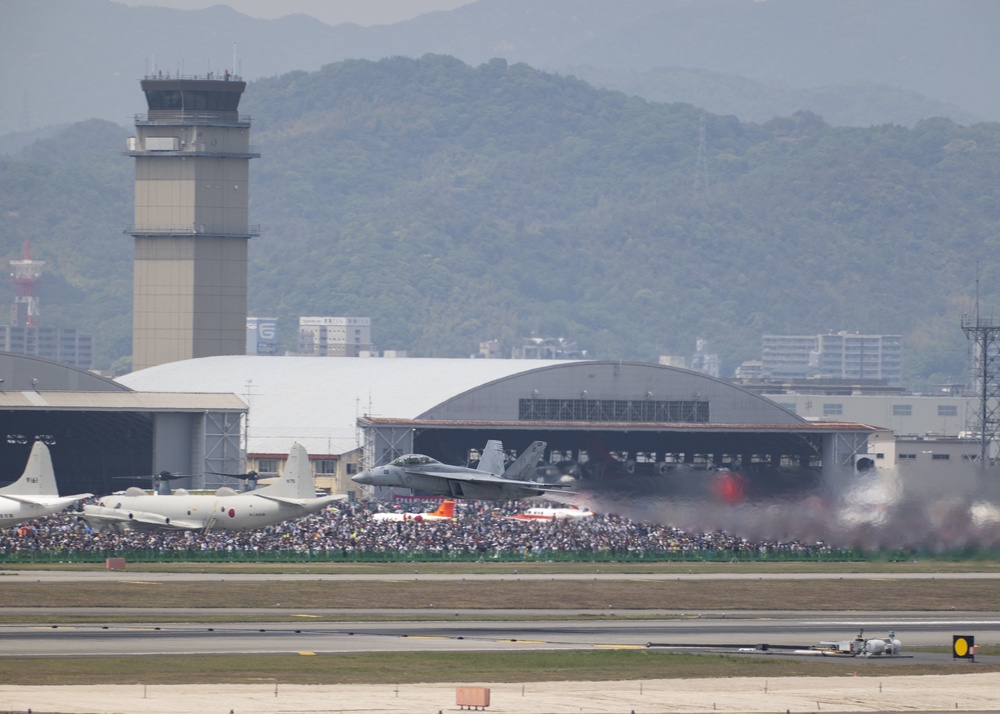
x: 523, y: 467
x: 38, y: 478
x: 296, y: 478
x: 491, y: 460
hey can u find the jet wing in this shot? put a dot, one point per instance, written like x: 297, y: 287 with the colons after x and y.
x: 489, y: 479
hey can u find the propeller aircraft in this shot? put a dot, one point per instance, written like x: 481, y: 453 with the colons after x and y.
x: 35, y: 494
x: 444, y: 512
x: 291, y: 497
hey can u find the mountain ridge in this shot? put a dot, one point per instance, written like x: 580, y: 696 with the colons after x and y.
x: 69, y: 60
x: 455, y: 204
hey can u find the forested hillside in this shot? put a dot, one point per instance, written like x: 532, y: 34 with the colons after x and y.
x: 454, y: 204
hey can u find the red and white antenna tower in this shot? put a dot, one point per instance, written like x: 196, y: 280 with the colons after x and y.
x: 26, y: 275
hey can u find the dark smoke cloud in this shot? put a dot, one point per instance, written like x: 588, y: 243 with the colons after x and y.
x: 882, y: 509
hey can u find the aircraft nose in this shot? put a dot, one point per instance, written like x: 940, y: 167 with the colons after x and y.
x: 365, y: 478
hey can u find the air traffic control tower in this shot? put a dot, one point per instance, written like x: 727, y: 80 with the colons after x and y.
x: 192, y: 167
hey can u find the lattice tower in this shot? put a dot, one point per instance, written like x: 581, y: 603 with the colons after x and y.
x: 26, y: 275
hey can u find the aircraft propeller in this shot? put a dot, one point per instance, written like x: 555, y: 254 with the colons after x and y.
x: 250, y: 477
x: 159, y: 480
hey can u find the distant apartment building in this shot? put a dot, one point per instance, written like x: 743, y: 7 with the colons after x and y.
x: 841, y: 355
x: 335, y: 336
x: 548, y: 348
x: 59, y: 344
x: 750, y: 371
x: 490, y: 349
x: 704, y: 361
x: 862, y: 357
x: 674, y: 361
x: 701, y: 361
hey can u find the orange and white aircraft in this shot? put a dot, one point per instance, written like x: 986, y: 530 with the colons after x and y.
x: 553, y: 514
x: 444, y: 512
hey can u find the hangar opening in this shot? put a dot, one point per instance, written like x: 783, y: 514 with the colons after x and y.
x: 625, y: 424
x: 104, y: 437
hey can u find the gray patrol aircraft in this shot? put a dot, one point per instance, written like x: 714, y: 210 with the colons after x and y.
x: 35, y: 494
x: 489, y: 481
x: 291, y: 497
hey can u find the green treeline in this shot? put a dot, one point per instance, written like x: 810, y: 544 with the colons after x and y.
x: 455, y: 204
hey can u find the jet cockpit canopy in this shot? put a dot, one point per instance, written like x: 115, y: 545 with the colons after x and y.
x: 413, y: 460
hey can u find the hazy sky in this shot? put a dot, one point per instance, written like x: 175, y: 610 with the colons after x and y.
x: 332, y: 12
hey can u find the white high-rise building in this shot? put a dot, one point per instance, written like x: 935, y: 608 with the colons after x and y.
x: 840, y: 355
x: 335, y: 336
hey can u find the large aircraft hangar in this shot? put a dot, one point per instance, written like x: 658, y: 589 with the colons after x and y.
x: 621, y: 419
x: 103, y: 436
x: 615, y: 421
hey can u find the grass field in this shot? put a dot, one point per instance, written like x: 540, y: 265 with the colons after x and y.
x: 402, y: 668
x: 914, y: 564
x: 632, y: 592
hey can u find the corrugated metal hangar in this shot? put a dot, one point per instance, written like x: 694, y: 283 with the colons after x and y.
x: 631, y: 416
x: 104, y: 436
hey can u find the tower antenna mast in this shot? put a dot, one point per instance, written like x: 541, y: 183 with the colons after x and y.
x: 985, y: 335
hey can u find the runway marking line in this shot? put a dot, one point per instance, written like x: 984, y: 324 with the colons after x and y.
x: 139, y: 582
x: 305, y: 615
x: 308, y: 654
x: 621, y: 647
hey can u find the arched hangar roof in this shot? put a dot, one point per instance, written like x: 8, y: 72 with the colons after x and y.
x: 318, y: 400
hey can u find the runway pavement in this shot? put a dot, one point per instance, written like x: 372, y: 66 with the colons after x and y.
x: 148, y: 635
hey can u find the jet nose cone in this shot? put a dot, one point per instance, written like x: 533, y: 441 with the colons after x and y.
x: 365, y: 477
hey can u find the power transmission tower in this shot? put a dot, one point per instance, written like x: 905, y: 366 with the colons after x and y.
x: 985, y: 334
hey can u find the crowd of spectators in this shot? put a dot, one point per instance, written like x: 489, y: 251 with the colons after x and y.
x: 478, y: 527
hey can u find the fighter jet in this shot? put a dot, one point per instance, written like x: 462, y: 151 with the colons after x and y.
x: 35, y: 494
x: 488, y: 481
x: 292, y: 496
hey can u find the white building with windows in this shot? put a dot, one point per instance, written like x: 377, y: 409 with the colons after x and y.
x: 840, y: 355
x: 335, y: 336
